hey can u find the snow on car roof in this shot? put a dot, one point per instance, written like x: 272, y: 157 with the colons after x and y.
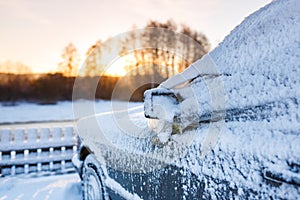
x: 261, y: 56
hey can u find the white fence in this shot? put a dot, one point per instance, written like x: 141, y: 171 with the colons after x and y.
x: 29, y: 150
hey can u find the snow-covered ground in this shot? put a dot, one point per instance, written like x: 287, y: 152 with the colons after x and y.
x: 30, y: 112
x: 56, y: 187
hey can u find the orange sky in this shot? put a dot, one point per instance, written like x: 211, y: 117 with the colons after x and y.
x: 35, y: 32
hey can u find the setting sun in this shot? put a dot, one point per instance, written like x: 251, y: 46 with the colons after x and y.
x: 117, y: 68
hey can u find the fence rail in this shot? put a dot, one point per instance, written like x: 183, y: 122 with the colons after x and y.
x: 36, y: 149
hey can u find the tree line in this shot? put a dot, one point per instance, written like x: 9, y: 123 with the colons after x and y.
x: 158, y: 58
x: 49, y: 88
x: 145, y: 67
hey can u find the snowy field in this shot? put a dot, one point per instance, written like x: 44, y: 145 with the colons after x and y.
x: 58, y: 187
x: 62, y: 111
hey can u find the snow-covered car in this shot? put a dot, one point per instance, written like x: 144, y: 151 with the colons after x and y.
x: 227, y: 127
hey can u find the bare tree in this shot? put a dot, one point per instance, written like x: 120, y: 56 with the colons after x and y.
x: 93, y: 64
x: 70, y: 64
x: 164, y: 61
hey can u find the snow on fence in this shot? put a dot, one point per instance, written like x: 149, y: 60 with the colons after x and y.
x: 28, y: 150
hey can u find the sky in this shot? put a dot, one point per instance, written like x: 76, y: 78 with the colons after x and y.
x: 35, y: 32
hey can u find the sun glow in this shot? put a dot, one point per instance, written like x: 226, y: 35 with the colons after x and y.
x: 118, y: 67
